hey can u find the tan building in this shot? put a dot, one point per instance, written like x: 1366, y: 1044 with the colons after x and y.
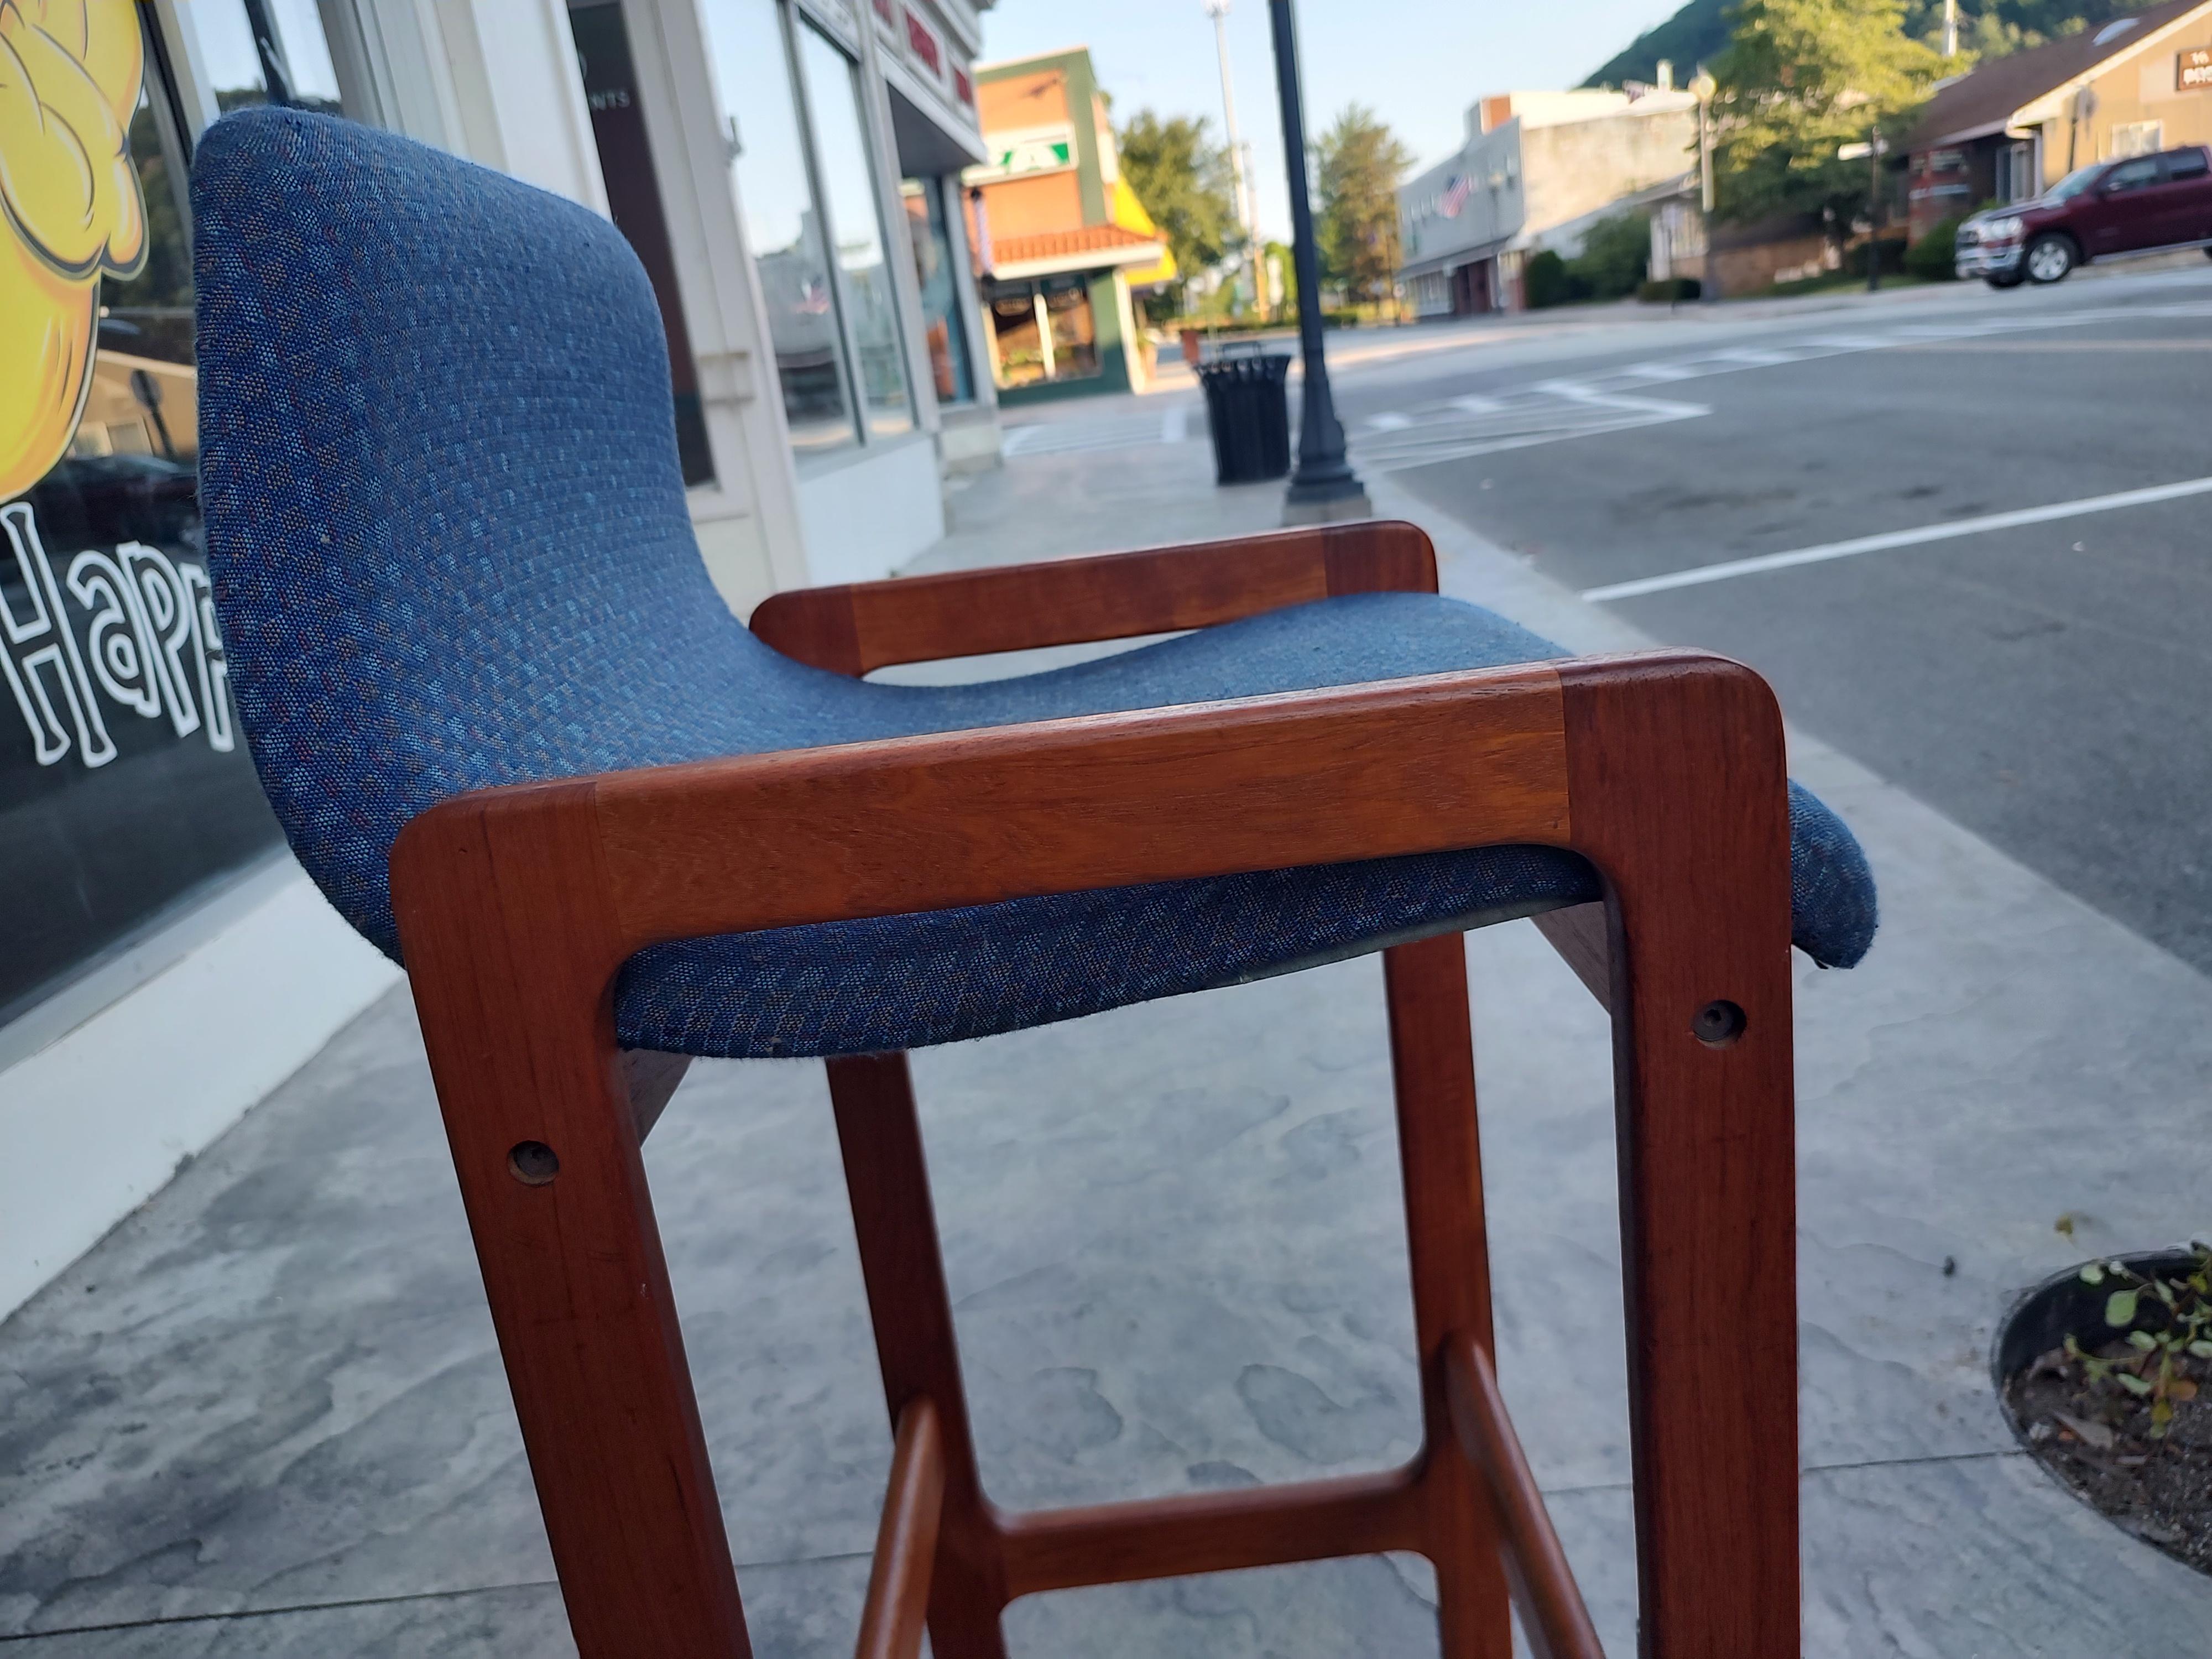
x: 2017, y: 125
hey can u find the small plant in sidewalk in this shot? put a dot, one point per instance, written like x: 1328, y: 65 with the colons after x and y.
x: 2122, y: 1409
x: 2152, y: 1363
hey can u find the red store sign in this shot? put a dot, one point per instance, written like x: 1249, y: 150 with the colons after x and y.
x: 924, y: 43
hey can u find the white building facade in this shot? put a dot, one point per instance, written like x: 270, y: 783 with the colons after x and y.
x: 1536, y: 170
x: 788, y: 171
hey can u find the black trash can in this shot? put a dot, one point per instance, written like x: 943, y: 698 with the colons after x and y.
x: 1250, y: 415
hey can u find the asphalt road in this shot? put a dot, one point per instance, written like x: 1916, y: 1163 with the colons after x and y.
x: 2048, y: 684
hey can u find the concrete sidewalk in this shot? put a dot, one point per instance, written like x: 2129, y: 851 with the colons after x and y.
x: 266, y: 1416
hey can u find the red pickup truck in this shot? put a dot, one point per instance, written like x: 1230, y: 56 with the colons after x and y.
x: 2144, y: 204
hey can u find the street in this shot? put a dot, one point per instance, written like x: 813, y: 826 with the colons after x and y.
x: 2044, y: 685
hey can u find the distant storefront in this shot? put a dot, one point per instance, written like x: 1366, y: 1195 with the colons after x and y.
x: 1061, y: 241
x: 1535, y: 171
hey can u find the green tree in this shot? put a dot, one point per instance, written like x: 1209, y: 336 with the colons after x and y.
x: 1183, y: 179
x: 1616, y: 252
x: 1991, y: 28
x: 1356, y: 220
x: 1800, y: 79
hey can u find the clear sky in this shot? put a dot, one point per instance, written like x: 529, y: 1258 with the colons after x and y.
x: 1419, y: 62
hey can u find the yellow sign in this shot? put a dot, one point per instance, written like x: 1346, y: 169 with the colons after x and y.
x: 70, y: 211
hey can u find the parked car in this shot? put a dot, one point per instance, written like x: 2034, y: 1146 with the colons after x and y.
x: 2144, y: 204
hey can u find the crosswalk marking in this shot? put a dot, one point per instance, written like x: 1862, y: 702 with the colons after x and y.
x: 1600, y: 401
x: 1604, y: 401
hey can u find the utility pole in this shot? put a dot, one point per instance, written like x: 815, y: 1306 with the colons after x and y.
x: 1246, y: 219
x: 1873, y: 149
x: 1324, y: 487
x: 1704, y: 88
x: 1950, y: 29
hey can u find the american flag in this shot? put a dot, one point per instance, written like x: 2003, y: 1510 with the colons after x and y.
x: 1456, y: 194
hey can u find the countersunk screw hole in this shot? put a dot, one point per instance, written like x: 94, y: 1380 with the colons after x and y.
x: 533, y: 1162
x: 1717, y: 1024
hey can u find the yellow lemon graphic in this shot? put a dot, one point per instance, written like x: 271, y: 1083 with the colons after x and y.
x: 69, y: 210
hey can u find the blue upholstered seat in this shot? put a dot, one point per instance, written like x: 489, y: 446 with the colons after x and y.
x: 450, y: 550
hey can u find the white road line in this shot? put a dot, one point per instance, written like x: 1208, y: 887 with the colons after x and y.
x: 1755, y: 357
x: 1661, y: 372
x: 1663, y: 409
x: 1391, y: 421
x: 1175, y: 425
x: 1473, y: 405
x: 1934, y: 532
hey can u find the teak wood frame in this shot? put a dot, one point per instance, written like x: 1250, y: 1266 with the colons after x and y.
x: 518, y: 906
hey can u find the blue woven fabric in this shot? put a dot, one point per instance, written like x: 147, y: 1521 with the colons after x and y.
x: 450, y: 550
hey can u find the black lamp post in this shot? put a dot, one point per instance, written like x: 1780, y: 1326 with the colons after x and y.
x: 1323, y: 486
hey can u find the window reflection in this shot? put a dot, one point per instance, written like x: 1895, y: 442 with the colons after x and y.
x: 947, y: 337
x: 849, y: 186
x: 781, y: 225
x: 1044, y: 330
x: 625, y: 151
x: 262, y: 51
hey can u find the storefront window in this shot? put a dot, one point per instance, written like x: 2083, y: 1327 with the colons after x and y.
x: 849, y: 188
x: 1044, y: 330
x: 634, y: 202
x: 262, y: 51
x: 930, y: 234
x: 781, y: 224
x: 125, y: 791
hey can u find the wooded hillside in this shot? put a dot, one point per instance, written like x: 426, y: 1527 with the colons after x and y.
x: 1987, y: 28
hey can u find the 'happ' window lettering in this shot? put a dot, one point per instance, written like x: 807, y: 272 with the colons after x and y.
x: 148, y: 642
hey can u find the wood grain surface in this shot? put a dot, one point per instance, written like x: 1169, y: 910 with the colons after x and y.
x: 1557, y: 1623
x: 1676, y: 767
x: 858, y: 629
x: 966, y: 817
x: 893, y: 1617
x: 1448, y: 1248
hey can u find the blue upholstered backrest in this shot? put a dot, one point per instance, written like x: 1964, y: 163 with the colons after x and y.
x: 445, y: 525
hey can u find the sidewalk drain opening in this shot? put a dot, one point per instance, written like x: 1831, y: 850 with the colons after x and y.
x: 2104, y: 1373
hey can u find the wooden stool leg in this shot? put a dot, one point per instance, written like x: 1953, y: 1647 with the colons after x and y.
x: 1432, y: 1063
x: 889, y: 1182
x: 1679, y: 798
x: 511, y: 959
